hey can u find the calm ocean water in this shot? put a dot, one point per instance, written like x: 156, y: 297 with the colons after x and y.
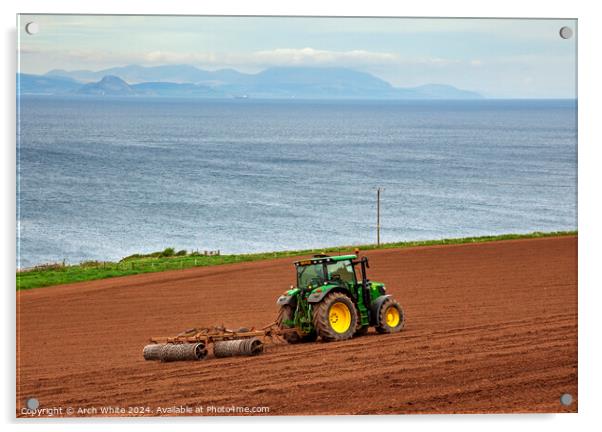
x: 105, y: 178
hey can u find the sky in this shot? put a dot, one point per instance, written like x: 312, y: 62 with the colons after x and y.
x: 500, y: 58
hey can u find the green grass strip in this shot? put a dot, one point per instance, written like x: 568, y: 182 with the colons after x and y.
x: 44, y: 276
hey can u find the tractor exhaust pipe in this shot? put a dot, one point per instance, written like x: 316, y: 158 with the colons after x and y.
x: 239, y: 347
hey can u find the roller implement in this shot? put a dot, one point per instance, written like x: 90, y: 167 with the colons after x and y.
x: 193, y: 343
x: 333, y: 300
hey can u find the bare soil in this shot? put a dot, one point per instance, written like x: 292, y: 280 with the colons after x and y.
x: 491, y: 328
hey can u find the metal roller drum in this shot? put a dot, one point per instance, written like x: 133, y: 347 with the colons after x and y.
x: 182, y: 352
x: 239, y: 347
x: 152, y: 352
x: 175, y: 352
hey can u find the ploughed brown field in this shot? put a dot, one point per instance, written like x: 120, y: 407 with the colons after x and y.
x: 490, y: 328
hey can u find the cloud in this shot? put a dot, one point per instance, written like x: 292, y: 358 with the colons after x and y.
x: 308, y: 56
x: 167, y: 57
x: 311, y: 56
x: 275, y: 57
x: 292, y: 57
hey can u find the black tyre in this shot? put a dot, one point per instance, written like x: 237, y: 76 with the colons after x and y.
x: 335, y: 317
x: 390, y: 318
x: 286, y: 314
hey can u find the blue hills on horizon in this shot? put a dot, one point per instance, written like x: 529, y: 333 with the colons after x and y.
x: 189, y: 81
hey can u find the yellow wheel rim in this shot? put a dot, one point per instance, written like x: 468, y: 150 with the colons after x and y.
x: 339, y: 317
x: 392, y: 316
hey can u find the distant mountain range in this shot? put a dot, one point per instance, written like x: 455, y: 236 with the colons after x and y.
x: 272, y: 83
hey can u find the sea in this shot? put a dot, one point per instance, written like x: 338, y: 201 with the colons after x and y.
x: 103, y: 178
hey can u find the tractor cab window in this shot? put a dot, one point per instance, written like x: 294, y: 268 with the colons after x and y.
x: 310, y: 275
x: 342, y: 270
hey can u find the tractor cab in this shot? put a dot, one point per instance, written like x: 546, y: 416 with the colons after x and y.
x: 322, y: 269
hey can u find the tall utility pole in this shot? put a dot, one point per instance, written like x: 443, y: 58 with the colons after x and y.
x: 378, y: 190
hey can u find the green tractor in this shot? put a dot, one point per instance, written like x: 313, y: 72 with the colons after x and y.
x: 330, y: 302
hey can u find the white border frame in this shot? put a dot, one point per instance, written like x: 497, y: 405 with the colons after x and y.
x: 590, y: 281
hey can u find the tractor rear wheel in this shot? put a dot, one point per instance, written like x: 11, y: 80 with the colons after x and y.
x: 390, y: 318
x: 335, y: 317
x: 287, y: 313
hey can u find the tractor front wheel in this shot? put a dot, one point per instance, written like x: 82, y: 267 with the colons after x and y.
x: 390, y: 318
x: 335, y: 317
x: 287, y: 313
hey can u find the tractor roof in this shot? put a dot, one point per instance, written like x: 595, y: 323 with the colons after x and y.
x: 325, y: 258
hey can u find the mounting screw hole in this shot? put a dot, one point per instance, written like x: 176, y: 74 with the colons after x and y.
x: 566, y: 399
x: 566, y: 32
x: 32, y: 403
x: 32, y: 28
